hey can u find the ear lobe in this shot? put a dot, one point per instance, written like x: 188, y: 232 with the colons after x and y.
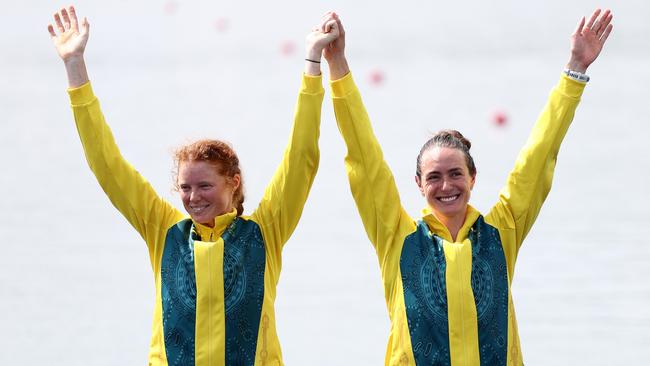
x: 235, y: 181
x: 417, y: 181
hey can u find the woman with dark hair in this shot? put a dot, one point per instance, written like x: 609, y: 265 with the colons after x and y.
x: 215, y: 271
x: 447, y: 275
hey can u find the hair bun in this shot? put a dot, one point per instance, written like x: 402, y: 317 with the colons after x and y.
x: 453, y: 134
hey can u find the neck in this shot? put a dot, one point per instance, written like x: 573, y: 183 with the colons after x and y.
x: 452, y: 223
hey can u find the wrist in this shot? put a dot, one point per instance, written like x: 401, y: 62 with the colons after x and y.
x: 76, y: 69
x: 338, y: 68
x: 577, y: 66
x: 576, y: 75
x: 73, y: 60
x: 314, y: 53
x: 336, y: 60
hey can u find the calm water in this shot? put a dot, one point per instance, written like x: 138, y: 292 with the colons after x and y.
x: 75, y: 283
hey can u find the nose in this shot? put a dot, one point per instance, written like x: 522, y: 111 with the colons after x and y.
x: 445, y: 184
x: 194, y: 196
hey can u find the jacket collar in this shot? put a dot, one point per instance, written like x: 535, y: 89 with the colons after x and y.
x: 441, y: 230
x: 221, y: 222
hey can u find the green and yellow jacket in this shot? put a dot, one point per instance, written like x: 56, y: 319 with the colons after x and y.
x: 215, y: 287
x: 449, y: 301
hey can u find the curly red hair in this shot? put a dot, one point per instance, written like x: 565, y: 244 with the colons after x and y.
x: 221, y: 155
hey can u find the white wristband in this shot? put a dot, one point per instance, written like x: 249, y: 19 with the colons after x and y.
x: 575, y: 75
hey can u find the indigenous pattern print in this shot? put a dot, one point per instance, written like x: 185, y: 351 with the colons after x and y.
x: 178, y: 285
x: 490, y: 288
x: 423, y: 265
x: 244, y: 263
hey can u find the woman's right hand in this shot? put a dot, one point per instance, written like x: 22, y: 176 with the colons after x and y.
x: 71, y: 41
x: 334, y: 52
x: 70, y: 44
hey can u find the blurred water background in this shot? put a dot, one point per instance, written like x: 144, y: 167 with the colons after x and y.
x: 76, y: 287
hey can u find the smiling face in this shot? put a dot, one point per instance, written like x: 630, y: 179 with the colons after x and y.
x: 205, y: 193
x: 445, y: 182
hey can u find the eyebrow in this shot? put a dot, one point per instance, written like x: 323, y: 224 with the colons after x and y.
x: 452, y: 170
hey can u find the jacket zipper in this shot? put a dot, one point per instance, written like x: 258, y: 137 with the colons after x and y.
x: 458, y: 249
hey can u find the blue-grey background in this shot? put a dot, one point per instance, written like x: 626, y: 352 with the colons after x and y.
x: 76, y: 287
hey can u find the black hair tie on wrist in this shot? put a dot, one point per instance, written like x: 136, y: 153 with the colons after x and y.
x: 314, y: 61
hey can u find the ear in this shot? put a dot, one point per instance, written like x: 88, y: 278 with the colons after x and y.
x: 417, y: 181
x: 235, y: 181
x: 472, y: 181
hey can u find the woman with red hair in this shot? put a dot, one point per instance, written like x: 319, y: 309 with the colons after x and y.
x: 215, y: 271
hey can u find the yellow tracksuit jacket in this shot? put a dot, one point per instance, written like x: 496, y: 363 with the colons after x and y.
x: 215, y: 287
x: 449, y: 301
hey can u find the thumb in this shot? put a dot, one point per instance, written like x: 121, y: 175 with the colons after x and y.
x: 332, y: 28
x: 85, y: 26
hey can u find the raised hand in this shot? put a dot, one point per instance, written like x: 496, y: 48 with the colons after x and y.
x: 336, y: 49
x: 588, y: 39
x: 320, y: 37
x: 71, y: 40
x: 70, y: 44
x: 334, y: 52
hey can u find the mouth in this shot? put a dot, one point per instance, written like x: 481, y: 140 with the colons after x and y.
x: 448, y: 199
x: 198, y: 209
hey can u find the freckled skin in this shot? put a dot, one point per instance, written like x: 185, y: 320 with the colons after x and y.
x: 446, y: 184
x: 205, y: 193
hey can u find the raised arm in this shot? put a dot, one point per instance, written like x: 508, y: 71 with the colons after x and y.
x: 530, y: 181
x: 285, y: 196
x: 70, y: 44
x: 129, y: 192
x: 371, y: 181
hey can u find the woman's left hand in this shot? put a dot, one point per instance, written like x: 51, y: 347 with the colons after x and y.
x: 587, y: 41
x: 319, y: 37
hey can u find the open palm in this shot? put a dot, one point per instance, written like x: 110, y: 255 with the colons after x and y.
x: 71, y: 40
x: 588, y: 39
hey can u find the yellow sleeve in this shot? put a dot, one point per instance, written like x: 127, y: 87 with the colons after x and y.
x: 530, y: 181
x: 285, y: 196
x: 371, y: 181
x: 129, y: 192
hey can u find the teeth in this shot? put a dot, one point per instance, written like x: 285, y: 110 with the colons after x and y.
x: 198, y: 209
x: 448, y: 199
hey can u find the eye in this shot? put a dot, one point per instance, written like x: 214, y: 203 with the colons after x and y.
x: 184, y: 188
x: 205, y: 186
x: 433, y: 177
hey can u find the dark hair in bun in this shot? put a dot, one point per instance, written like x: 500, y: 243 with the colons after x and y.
x: 451, y: 139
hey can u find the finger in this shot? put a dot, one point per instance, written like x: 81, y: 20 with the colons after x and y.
x: 50, y: 28
x: 327, y: 15
x: 329, y: 25
x: 73, y: 18
x: 593, y: 18
x: 581, y: 24
x: 341, y: 30
x: 85, y: 26
x: 606, y: 33
x: 59, y: 25
x: 605, y: 23
x: 323, y: 25
x: 66, y: 18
